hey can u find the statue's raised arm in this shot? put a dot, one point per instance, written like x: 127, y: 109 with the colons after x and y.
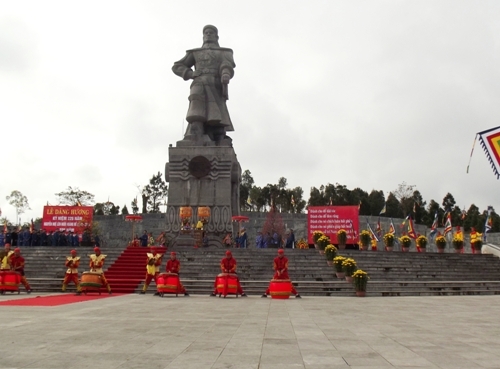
x: 207, y: 116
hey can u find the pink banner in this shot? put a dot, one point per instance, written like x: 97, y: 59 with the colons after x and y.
x: 329, y: 219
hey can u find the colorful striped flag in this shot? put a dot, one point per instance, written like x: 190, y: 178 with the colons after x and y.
x: 434, y: 226
x: 447, y: 226
x: 372, y: 234
x: 384, y: 209
x: 392, y: 229
x: 411, y: 229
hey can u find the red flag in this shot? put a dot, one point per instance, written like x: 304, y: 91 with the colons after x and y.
x: 411, y: 229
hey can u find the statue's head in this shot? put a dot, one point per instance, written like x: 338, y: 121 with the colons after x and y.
x: 210, y: 35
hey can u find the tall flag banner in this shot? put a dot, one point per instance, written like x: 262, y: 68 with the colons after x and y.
x: 292, y: 200
x: 379, y: 228
x: 404, y: 221
x: 447, y: 226
x: 463, y: 214
x: 372, y: 234
x: 249, y: 200
x: 489, y: 222
x: 490, y: 141
x: 415, y: 207
x: 411, y: 229
x: 351, y: 228
x: 359, y: 205
x: 331, y: 202
x: 434, y: 226
x: 445, y: 217
x: 384, y: 209
x: 392, y: 229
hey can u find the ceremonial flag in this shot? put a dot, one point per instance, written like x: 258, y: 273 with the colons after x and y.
x: 249, y: 200
x: 351, y: 228
x: 411, y: 229
x: 489, y: 222
x: 463, y: 215
x: 359, y: 205
x: 404, y: 221
x: 331, y: 202
x: 292, y: 200
x: 434, y: 226
x: 447, y: 226
x: 490, y: 141
x: 372, y: 234
x: 379, y: 228
x: 414, y: 208
x: 392, y: 229
x: 383, y: 210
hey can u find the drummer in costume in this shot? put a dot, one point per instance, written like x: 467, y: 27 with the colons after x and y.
x: 153, y: 264
x: 5, y: 257
x: 280, y: 267
x: 174, y: 266
x: 72, y: 263
x: 96, y: 264
x: 228, y: 266
x: 17, y: 264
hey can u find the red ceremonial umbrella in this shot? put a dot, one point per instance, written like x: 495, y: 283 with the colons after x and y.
x: 240, y: 219
x: 134, y: 218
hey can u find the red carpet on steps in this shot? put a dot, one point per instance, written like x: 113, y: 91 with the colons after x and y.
x: 129, y: 270
x: 54, y: 300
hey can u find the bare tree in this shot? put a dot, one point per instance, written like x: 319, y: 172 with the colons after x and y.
x: 19, y: 201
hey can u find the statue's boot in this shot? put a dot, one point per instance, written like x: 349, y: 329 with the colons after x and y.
x: 218, y: 135
x: 195, y: 136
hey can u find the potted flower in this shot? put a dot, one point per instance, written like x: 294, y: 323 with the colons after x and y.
x: 330, y: 253
x: 458, y: 243
x: 421, y: 243
x: 405, y: 243
x: 389, y: 241
x: 316, y: 236
x: 341, y: 238
x: 337, y: 263
x: 440, y: 243
x: 360, y: 278
x: 322, y: 242
x: 364, y: 240
x: 349, y: 267
x: 302, y: 244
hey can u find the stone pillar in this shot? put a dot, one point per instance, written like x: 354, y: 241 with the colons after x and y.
x: 203, y: 176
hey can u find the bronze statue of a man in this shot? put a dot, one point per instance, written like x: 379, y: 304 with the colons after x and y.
x: 207, y: 115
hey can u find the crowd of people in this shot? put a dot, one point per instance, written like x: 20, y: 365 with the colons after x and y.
x: 40, y: 237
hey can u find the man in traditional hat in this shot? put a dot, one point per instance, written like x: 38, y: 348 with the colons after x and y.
x: 153, y: 264
x: 280, y: 267
x: 17, y: 265
x: 228, y: 266
x: 96, y: 264
x: 207, y: 115
x: 72, y: 263
x: 174, y: 266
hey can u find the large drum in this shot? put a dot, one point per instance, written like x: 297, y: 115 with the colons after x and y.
x: 91, y: 282
x: 9, y: 281
x: 280, y: 288
x: 168, y: 283
x: 227, y: 284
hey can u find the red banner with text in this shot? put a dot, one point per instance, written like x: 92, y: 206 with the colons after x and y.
x: 68, y: 218
x: 329, y: 219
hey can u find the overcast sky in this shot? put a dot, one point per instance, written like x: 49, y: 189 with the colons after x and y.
x: 363, y: 93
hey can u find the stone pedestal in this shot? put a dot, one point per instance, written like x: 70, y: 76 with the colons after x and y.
x: 203, y: 176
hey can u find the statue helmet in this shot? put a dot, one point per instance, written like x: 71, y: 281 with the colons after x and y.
x: 211, y: 27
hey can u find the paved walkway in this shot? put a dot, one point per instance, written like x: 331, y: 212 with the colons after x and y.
x: 135, y: 331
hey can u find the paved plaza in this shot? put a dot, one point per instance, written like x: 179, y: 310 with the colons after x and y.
x: 135, y: 331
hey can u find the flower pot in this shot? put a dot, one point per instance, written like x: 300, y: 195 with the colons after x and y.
x: 389, y: 248
x: 423, y: 249
x: 341, y: 246
x: 361, y: 293
x: 440, y: 250
x: 348, y: 279
x: 321, y: 252
x: 405, y: 249
x: 340, y: 275
x: 329, y: 262
x: 459, y: 251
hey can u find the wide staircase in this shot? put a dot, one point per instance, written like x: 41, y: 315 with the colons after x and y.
x: 391, y: 273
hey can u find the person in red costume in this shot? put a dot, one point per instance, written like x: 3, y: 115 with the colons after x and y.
x: 17, y: 264
x: 228, y: 266
x: 280, y: 267
x: 174, y: 266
